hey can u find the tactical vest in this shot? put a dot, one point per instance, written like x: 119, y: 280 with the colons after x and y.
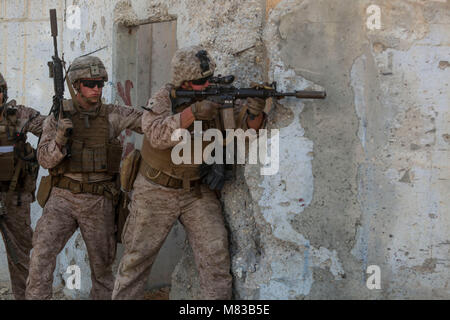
x: 8, y: 133
x: 159, y: 162
x: 91, y: 149
x: 158, y: 165
x: 17, y: 157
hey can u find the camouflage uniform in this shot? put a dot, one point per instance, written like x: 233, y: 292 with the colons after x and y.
x: 16, y: 221
x: 66, y: 209
x: 155, y: 206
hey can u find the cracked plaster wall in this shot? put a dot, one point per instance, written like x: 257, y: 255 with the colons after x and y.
x: 364, y: 175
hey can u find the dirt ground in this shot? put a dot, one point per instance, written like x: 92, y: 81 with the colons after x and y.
x: 158, y: 294
x: 6, y: 294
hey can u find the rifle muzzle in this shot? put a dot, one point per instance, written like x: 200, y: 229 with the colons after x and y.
x: 310, y: 94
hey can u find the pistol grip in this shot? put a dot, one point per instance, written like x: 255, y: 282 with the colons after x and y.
x: 68, y: 132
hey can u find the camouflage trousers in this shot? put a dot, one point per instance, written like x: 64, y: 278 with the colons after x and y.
x: 63, y: 213
x: 18, y: 230
x: 153, y: 211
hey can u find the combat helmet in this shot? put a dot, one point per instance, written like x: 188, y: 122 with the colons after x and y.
x: 4, y: 85
x: 87, y: 67
x: 191, y: 63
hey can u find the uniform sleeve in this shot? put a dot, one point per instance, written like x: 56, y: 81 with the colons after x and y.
x: 121, y: 118
x: 159, y: 123
x: 49, y: 155
x: 30, y: 120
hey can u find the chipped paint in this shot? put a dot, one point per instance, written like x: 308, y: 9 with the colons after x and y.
x: 364, y: 175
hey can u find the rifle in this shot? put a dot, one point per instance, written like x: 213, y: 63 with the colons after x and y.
x: 56, y: 72
x: 8, y: 245
x: 221, y: 91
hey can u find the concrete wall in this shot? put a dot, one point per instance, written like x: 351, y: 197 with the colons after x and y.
x: 364, y: 175
x: 24, y: 54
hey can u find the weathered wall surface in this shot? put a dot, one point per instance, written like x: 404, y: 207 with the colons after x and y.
x: 378, y: 146
x: 23, y: 62
x: 363, y: 176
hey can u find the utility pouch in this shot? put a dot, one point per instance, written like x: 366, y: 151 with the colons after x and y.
x: 129, y: 170
x: 6, y: 166
x: 31, y: 169
x: 114, y: 152
x: 45, y: 187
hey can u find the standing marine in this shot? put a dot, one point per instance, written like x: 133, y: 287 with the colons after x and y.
x: 18, y: 173
x: 164, y: 192
x: 81, y: 190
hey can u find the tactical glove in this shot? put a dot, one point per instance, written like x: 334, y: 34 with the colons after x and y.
x: 213, y: 175
x: 205, y: 110
x: 255, y: 106
x: 64, y: 124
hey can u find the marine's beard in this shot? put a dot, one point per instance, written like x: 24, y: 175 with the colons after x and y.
x: 89, y: 103
x: 93, y: 100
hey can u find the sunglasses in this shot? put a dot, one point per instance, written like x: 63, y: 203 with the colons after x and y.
x: 2, y: 89
x: 92, y: 83
x: 200, y: 81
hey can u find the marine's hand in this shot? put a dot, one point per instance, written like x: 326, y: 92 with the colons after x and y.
x: 213, y: 175
x: 205, y: 110
x: 255, y: 106
x: 64, y: 124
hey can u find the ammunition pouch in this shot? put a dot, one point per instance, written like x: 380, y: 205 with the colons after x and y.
x: 129, y: 170
x: 91, y: 148
x: 100, y: 158
x: 43, y: 193
x: 6, y: 166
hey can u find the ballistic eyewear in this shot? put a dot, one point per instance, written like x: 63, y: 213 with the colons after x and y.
x: 92, y: 83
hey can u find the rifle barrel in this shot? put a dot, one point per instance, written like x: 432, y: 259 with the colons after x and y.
x: 53, y: 23
x: 305, y: 94
x: 54, y: 29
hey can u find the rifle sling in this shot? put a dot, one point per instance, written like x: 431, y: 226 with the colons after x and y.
x: 15, y: 178
x: 72, y: 93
